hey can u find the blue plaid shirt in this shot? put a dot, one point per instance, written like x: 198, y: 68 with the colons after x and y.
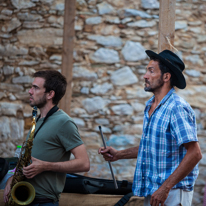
x: 161, y: 148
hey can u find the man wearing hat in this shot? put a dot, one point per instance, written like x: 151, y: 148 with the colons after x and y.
x: 169, y: 151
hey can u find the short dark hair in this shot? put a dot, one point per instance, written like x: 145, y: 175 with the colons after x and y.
x: 164, y: 69
x: 55, y: 81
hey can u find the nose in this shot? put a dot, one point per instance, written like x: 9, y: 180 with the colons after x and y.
x: 146, y: 75
x: 30, y: 91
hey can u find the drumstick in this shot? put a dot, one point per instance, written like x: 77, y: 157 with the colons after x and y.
x: 110, y: 166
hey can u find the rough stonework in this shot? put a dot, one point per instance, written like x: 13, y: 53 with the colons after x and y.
x: 109, y: 64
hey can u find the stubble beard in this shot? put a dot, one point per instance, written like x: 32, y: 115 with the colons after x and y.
x: 40, y: 103
x: 150, y: 88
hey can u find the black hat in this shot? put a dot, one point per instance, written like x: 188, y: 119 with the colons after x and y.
x: 174, y: 63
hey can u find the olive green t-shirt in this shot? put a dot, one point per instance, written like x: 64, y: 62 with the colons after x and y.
x: 53, y: 143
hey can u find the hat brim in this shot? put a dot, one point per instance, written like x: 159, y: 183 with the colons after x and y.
x: 180, y: 82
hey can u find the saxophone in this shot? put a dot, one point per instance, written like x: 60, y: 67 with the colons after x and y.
x: 23, y: 193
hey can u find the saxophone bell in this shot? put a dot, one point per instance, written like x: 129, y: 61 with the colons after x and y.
x: 23, y: 193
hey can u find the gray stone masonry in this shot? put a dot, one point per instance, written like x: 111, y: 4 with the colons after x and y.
x: 109, y: 64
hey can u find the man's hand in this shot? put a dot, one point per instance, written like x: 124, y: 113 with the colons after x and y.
x: 6, y: 192
x: 109, y: 154
x: 37, y: 166
x: 159, y: 197
x: 7, y: 188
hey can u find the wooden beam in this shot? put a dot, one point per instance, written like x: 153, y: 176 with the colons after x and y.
x: 67, y: 54
x: 166, y: 24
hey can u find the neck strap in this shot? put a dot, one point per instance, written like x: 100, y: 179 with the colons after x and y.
x: 51, y: 111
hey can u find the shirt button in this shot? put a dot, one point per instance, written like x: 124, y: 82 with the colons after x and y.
x: 144, y: 150
x: 142, y: 177
x: 143, y: 163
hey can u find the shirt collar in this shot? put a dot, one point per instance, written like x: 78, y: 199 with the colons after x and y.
x: 150, y: 101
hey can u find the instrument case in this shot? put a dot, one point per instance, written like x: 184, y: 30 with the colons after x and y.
x: 87, y: 185
x: 4, y: 167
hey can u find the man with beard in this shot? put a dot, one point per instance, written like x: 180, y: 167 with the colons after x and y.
x: 169, y: 151
x: 56, y: 138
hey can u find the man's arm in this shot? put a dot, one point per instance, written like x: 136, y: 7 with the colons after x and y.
x: 79, y: 164
x: 192, y: 157
x: 111, y: 154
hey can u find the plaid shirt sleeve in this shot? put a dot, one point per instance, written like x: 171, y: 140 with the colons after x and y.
x: 183, y: 124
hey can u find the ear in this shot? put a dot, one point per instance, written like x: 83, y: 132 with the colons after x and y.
x: 50, y: 95
x: 166, y: 77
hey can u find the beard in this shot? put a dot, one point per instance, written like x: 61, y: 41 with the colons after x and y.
x: 39, y: 103
x: 155, y: 86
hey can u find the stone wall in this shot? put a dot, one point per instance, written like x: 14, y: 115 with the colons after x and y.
x: 109, y: 63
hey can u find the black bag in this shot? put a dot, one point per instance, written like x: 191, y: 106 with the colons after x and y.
x: 124, y: 199
x: 4, y: 167
x: 86, y: 185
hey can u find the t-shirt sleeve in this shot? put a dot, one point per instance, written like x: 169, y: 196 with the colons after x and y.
x: 183, y: 125
x: 69, y: 136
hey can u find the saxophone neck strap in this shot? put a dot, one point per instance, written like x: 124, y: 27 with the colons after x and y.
x: 51, y: 111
